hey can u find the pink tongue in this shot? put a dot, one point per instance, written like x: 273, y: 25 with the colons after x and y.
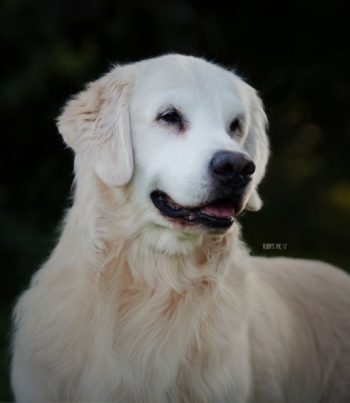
x: 218, y: 211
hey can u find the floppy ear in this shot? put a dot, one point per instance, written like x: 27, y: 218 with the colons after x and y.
x: 95, y: 124
x: 257, y: 145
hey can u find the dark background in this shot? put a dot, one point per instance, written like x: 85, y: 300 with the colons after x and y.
x: 296, y: 55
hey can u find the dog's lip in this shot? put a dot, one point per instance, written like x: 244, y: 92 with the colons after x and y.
x: 217, y: 213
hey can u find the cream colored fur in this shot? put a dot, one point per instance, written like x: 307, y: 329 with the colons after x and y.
x: 130, y: 308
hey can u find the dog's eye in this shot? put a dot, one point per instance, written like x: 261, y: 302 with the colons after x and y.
x: 235, y: 125
x: 172, y: 117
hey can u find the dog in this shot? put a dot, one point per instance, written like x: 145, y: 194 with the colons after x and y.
x: 150, y: 295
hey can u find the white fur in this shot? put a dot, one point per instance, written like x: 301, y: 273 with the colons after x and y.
x: 129, y: 307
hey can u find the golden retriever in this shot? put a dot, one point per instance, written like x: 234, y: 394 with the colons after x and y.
x: 150, y: 294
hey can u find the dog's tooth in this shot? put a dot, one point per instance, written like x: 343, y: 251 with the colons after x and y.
x: 173, y: 205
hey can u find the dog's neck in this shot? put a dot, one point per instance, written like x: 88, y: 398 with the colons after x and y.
x: 111, y: 237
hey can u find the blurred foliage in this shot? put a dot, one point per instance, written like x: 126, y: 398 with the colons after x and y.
x: 297, y: 55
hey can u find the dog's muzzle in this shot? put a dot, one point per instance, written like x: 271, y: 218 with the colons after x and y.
x: 231, y: 172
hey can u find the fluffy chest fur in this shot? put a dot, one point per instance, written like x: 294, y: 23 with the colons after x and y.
x: 174, y: 346
x: 149, y: 343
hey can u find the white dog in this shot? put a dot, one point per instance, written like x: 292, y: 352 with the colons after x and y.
x: 150, y: 295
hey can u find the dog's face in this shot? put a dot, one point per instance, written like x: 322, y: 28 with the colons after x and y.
x: 187, y: 137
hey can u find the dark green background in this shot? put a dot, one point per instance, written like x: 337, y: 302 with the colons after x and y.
x: 296, y: 54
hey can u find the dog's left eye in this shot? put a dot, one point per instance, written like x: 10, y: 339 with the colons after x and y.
x: 235, y: 125
x: 172, y: 117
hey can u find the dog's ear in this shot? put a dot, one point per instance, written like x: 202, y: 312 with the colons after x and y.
x: 257, y: 145
x: 95, y: 124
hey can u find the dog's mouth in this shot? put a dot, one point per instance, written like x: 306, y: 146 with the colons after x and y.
x: 218, y: 214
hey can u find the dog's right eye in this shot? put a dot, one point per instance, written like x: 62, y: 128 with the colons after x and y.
x: 172, y: 117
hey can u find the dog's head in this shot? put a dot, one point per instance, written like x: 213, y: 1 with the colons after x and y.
x: 186, y: 136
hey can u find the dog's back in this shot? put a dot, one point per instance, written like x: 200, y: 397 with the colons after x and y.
x: 302, y: 309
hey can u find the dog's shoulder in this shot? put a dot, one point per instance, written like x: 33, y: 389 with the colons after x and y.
x: 298, y: 270
x: 311, y: 288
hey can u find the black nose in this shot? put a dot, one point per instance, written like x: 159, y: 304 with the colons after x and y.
x: 231, y: 168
